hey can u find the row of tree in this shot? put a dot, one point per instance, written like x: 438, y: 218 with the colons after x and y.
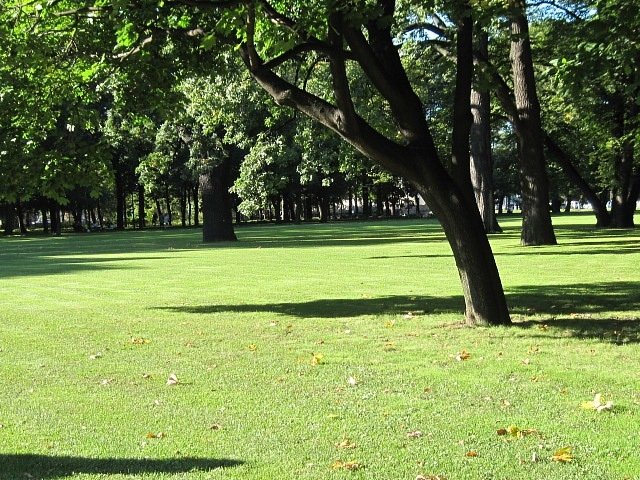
x: 160, y: 100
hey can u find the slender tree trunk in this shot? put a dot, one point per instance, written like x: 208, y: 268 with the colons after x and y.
x: 159, y: 212
x: 141, y: 207
x: 167, y: 201
x: 216, y: 203
x: 183, y: 207
x: 536, y: 218
x: 120, y: 202
x: 480, y: 142
x: 196, y: 204
x: 45, y: 221
x: 56, y: 223
x: 557, y: 153
x: 21, y: 221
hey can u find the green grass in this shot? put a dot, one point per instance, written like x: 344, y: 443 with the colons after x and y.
x: 239, y: 325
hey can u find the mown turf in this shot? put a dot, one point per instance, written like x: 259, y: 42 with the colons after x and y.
x: 264, y: 335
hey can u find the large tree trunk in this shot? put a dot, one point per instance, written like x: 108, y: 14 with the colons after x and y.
x: 216, y: 203
x: 536, y: 218
x: 54, y: 214
x: 9, y: 219
x: 625, y: 188
x: 480, y: 140
x: 481, y: 285
x: 448, y: 193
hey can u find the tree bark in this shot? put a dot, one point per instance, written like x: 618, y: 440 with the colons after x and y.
x: 480, y: 140
x: 196, y: 205
x: 120, y: 201
x: 141, y: 207
x: 603, y: 219
x: 536, y: 218
x: 216, y: 203
x: 448, y: 194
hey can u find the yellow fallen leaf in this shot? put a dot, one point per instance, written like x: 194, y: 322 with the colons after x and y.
x: 252, y: 347
x: 463, y: 355
x: 351, y: 465
x: 140, y: 340
x: 316, y: 358
x: 346, y: 443
x: 598, y: 404
x: 562, y: 455
x: 156, y: 435
x: 471, y: 453
x: 172, y: 380
x: 389, y: 324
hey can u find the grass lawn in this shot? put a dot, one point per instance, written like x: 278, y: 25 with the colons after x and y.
x: 316, y: 352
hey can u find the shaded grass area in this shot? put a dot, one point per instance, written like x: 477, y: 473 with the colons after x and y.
x: 51, y: 467
x: 265, y: 334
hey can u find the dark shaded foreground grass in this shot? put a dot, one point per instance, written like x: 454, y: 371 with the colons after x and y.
x: 303, y: 348
x: 52, y: 467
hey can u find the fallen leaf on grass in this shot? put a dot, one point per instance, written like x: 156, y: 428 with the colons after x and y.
x: 462, y: 356
x: 316, y: 358
x: 471, y: 453
x: 156, y: 435
x: 598, y: 404
x: 140, y: 341
x: 389, y: 324
x: 340, y: 465
x: 106, y: 381
x: 252, y: 347
x: 515, y: 431
x: 215, y: 426
x: 346, y: 443
x: 389, y: 347
x: 562, y: 455
x: 415, y: 434
x: 146, y: 376
x: 95, y: 356
x: 172, y: 380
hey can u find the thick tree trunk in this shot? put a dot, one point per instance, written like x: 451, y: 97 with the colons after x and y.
x: 9, y: 219
x: 449, y: 195
x: 56, y: 223
x: 536, y: 218
x: 216, y: 203
x: 624, y: 199
x: 480, y: 142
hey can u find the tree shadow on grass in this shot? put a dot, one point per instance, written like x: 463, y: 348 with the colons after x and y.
x: 568, y: 307
x: 45, y: 467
